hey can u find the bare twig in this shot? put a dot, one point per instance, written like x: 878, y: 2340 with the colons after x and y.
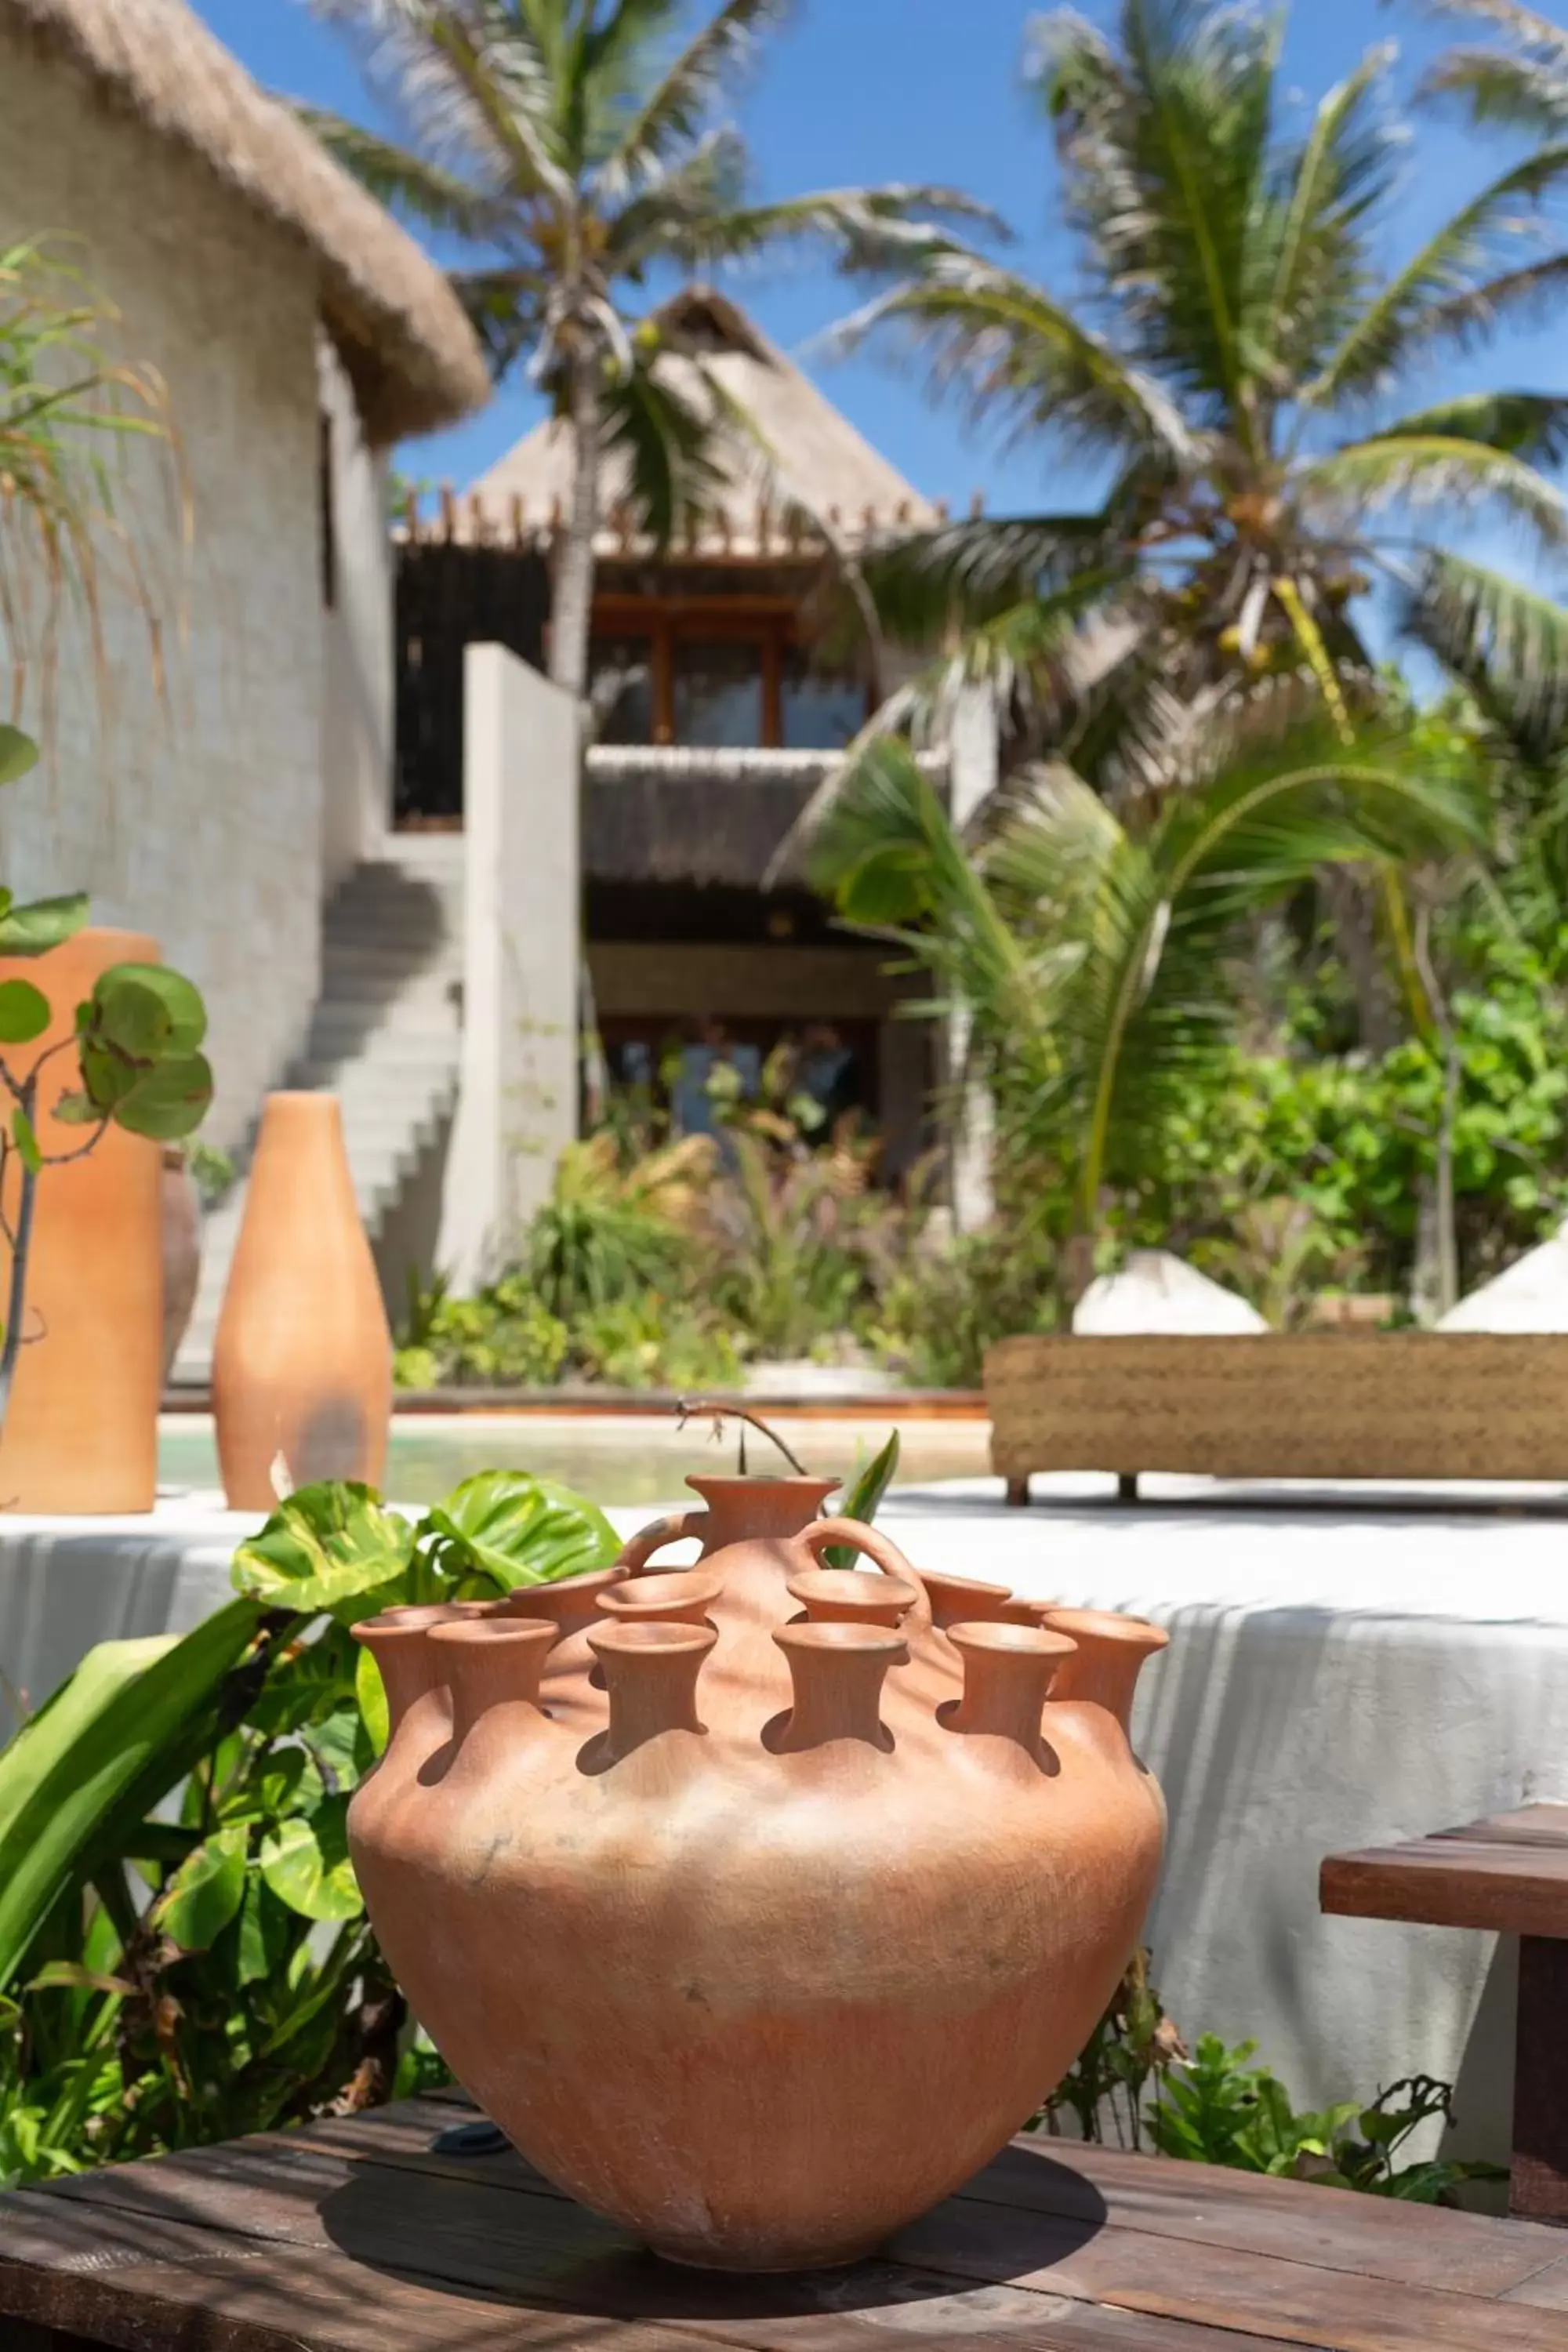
x: 706, y: 1409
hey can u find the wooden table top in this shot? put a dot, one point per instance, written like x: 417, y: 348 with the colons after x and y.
x: 1509, y: 1874
x: 354, y: 2237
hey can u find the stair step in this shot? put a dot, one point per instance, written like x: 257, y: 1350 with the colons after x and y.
x: 385, y: 1036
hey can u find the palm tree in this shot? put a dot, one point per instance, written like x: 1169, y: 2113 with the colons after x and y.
x: 569, y: 144
x: 1098, y: 954
x: 1229, y: 376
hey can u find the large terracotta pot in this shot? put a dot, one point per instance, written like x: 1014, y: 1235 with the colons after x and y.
x: 81, y: 1433
x: 302, y: 1363
x: 758, y: 1912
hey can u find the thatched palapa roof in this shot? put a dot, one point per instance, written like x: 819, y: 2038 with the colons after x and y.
x: 403, y: 337
x: 807, y: 462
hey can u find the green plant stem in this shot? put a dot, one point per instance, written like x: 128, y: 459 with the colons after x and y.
x: 21, y: 1252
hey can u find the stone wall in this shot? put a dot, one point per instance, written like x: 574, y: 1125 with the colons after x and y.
x: 196, y: 814
x: 358, y: 687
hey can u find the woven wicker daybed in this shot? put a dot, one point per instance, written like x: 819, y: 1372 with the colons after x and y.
x: 1396, y: 1405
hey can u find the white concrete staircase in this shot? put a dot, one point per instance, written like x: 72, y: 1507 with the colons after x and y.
x: 385, y: 1038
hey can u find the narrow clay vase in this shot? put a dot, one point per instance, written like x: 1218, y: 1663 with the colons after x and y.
x: 758, y: 1919
x: 181, y: 1212
x: 302, y: 1364
x: 82, y: 1431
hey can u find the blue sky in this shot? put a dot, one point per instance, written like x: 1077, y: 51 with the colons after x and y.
x: 868, y: 90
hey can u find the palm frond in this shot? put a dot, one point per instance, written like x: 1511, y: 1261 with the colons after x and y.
x: 1507, y: 642
x: 1521, y: 87
x: 478, y: 87
x: 1304, y: 301
x: 1022, y: 360
x: 1509, y: 93
x: 675, y: 110
x: 1165, y: 155
x: 1433, y: 298
x: 866, y: 231
x: 668, y: 444
x: 407, y: 182
x: 1424, y: 471
x: 1531, y: 425
x: 678, y: 206
x: 962, y: 574
x: 507, y: 308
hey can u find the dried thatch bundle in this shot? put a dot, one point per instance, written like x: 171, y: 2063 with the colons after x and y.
x: 400, y: 329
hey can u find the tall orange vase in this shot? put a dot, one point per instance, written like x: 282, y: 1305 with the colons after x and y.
x: 302, y: 1367
x: 81, y: 1433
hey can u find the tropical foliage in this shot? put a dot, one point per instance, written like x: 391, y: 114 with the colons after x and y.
x: 572, y: 147
x: 1231, y: 375
x: 70, y: 406
x: 184, y: 1950
x: 1101, y: 956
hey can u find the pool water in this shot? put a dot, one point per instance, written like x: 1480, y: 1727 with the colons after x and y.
x: 614, y: 1458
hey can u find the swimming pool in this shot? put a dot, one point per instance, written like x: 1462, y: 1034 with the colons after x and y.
x: 628, y: 1458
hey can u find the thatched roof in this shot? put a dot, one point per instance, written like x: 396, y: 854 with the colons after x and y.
x: 814, y: 453
x: 410, y: 351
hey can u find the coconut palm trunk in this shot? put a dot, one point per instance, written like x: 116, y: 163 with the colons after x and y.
x: 572, y: 618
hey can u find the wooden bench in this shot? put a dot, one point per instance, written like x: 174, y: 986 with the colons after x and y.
x: 356, y: 2237
x: 1308, y: 1404
x: 1508, y: 1874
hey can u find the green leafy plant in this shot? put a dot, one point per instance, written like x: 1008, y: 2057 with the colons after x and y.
x: 136, y: 1045
x: 1217, y: 2108
x: 1096, y: 953
x: 183, y: 1951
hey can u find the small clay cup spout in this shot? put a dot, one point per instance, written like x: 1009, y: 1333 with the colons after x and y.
x: 681, y: 1597
x: 399, y: 1642
x: 651, y: 1673
x: 1008, y: 1671
x: 962, y: 1600
x: 849, y: 1596
x: 492, y: 1662
x: 1110, y: 1654
x: 571, y: 1604
x: 837, y: 1671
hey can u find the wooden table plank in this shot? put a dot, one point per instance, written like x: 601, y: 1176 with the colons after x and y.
x: 306, y: 2241
x: 1443, y: 1882
x: 563, y: 2278
x: 1477, y: 2254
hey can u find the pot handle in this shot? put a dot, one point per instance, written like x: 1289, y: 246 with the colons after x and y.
x: 817, y: 1538
x: 675, y: 1528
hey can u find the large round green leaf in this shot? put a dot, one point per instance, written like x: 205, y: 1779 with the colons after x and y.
x: 18, y: 754
x: 306, y: 1863
x: 149, y: 1000
x: 171, y: 1101
x: 204, y: 1892
x: 46, y: 923
x: 24, y: 1013
x: 328, y: 1545
x: 514, y: 1528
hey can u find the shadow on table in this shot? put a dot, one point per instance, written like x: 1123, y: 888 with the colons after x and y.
x: 543, y: 2250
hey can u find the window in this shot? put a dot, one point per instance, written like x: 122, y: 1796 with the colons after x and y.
x: 621, y: 685
x: 819, y: 711
x: 718, y: 692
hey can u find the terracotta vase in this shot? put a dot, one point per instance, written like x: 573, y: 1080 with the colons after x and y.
x: 302, y: 1363
x: 81, y: 1433
x: 758, y: 1912
x: 181, y: 1212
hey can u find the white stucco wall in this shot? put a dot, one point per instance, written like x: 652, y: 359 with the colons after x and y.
x: 200, y: 820
x: 359, y: 685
